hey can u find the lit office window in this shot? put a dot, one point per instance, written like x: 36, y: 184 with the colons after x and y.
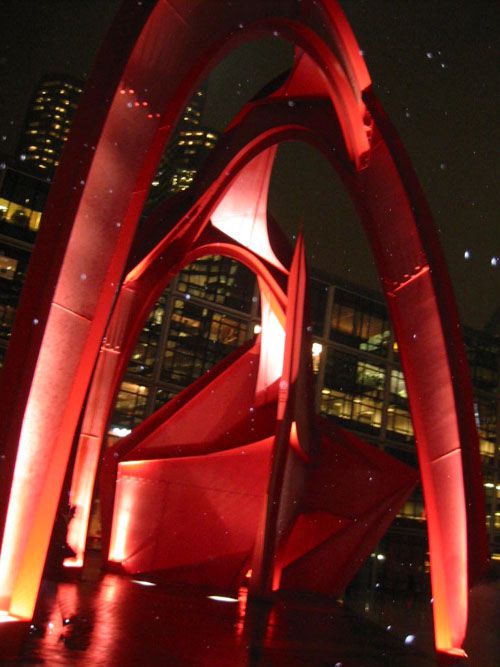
x: 7, y: 315
x: 143, y: 357
x: 130, y: 405
x: 362, y: 412
x: 316, y: 351
x: 487, y: 450
x: 199, y: 337
x: 8, y: 267
x: 370, y: 375
x: 398, y: 385
x: 486, y: 417
x: 353, y: 391
x: 413, y: 509
x: 360, y: 323
x: 19, y: 215
x: 163, y: 396
x: 399, y: 425
x: 219, y: 280
x: 486, y: 421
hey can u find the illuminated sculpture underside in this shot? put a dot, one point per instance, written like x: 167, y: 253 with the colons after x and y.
x: 288, y: 523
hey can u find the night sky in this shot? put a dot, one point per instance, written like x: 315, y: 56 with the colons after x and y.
x: 434, y: 67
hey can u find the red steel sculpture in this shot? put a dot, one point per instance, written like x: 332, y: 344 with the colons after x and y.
x: 266, y: 485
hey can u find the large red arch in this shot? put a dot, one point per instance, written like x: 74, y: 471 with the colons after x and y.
x: 121, y: 128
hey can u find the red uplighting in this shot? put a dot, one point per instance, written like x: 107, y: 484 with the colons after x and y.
x: 252, y: 478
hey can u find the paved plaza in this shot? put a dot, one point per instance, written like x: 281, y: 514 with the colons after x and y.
x: 108, y: 620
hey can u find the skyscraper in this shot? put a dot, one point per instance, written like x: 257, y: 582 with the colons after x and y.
x: 185, y: 153
x: 47, y: 124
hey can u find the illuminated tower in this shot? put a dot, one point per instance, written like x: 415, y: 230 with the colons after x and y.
x: 47, y: 124
x: 186, y: 152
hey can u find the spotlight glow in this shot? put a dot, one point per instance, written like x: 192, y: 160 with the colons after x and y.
x: 143, y: 583
x: 120, y: 432
x: 221, y: 598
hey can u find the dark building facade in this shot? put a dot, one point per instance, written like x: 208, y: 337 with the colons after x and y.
x: 47, y: 124
x: 22, y: 200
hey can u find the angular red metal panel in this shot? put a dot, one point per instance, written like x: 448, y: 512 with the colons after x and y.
x: 355, y: 521
x: 215, y: 500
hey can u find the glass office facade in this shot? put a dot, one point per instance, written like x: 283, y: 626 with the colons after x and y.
x: 212, y: 307
x: 22, y: 200
x: 208, y: 311
x: 484, y: 358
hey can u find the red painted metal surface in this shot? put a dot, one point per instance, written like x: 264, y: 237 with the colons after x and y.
x: 87, y: 233
x: 219, y: 472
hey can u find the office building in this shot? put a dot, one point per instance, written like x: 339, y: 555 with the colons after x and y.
x: 47, y: 124
x: 185, y: 154
x: 22, y: 200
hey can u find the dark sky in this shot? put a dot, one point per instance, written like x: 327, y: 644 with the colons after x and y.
x: 434, y: 67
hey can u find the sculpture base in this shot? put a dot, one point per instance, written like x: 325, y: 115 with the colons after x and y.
x: 452, y: 658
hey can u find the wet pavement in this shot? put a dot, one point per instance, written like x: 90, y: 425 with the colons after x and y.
x: 110, y: 620
x: 412, y: 616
